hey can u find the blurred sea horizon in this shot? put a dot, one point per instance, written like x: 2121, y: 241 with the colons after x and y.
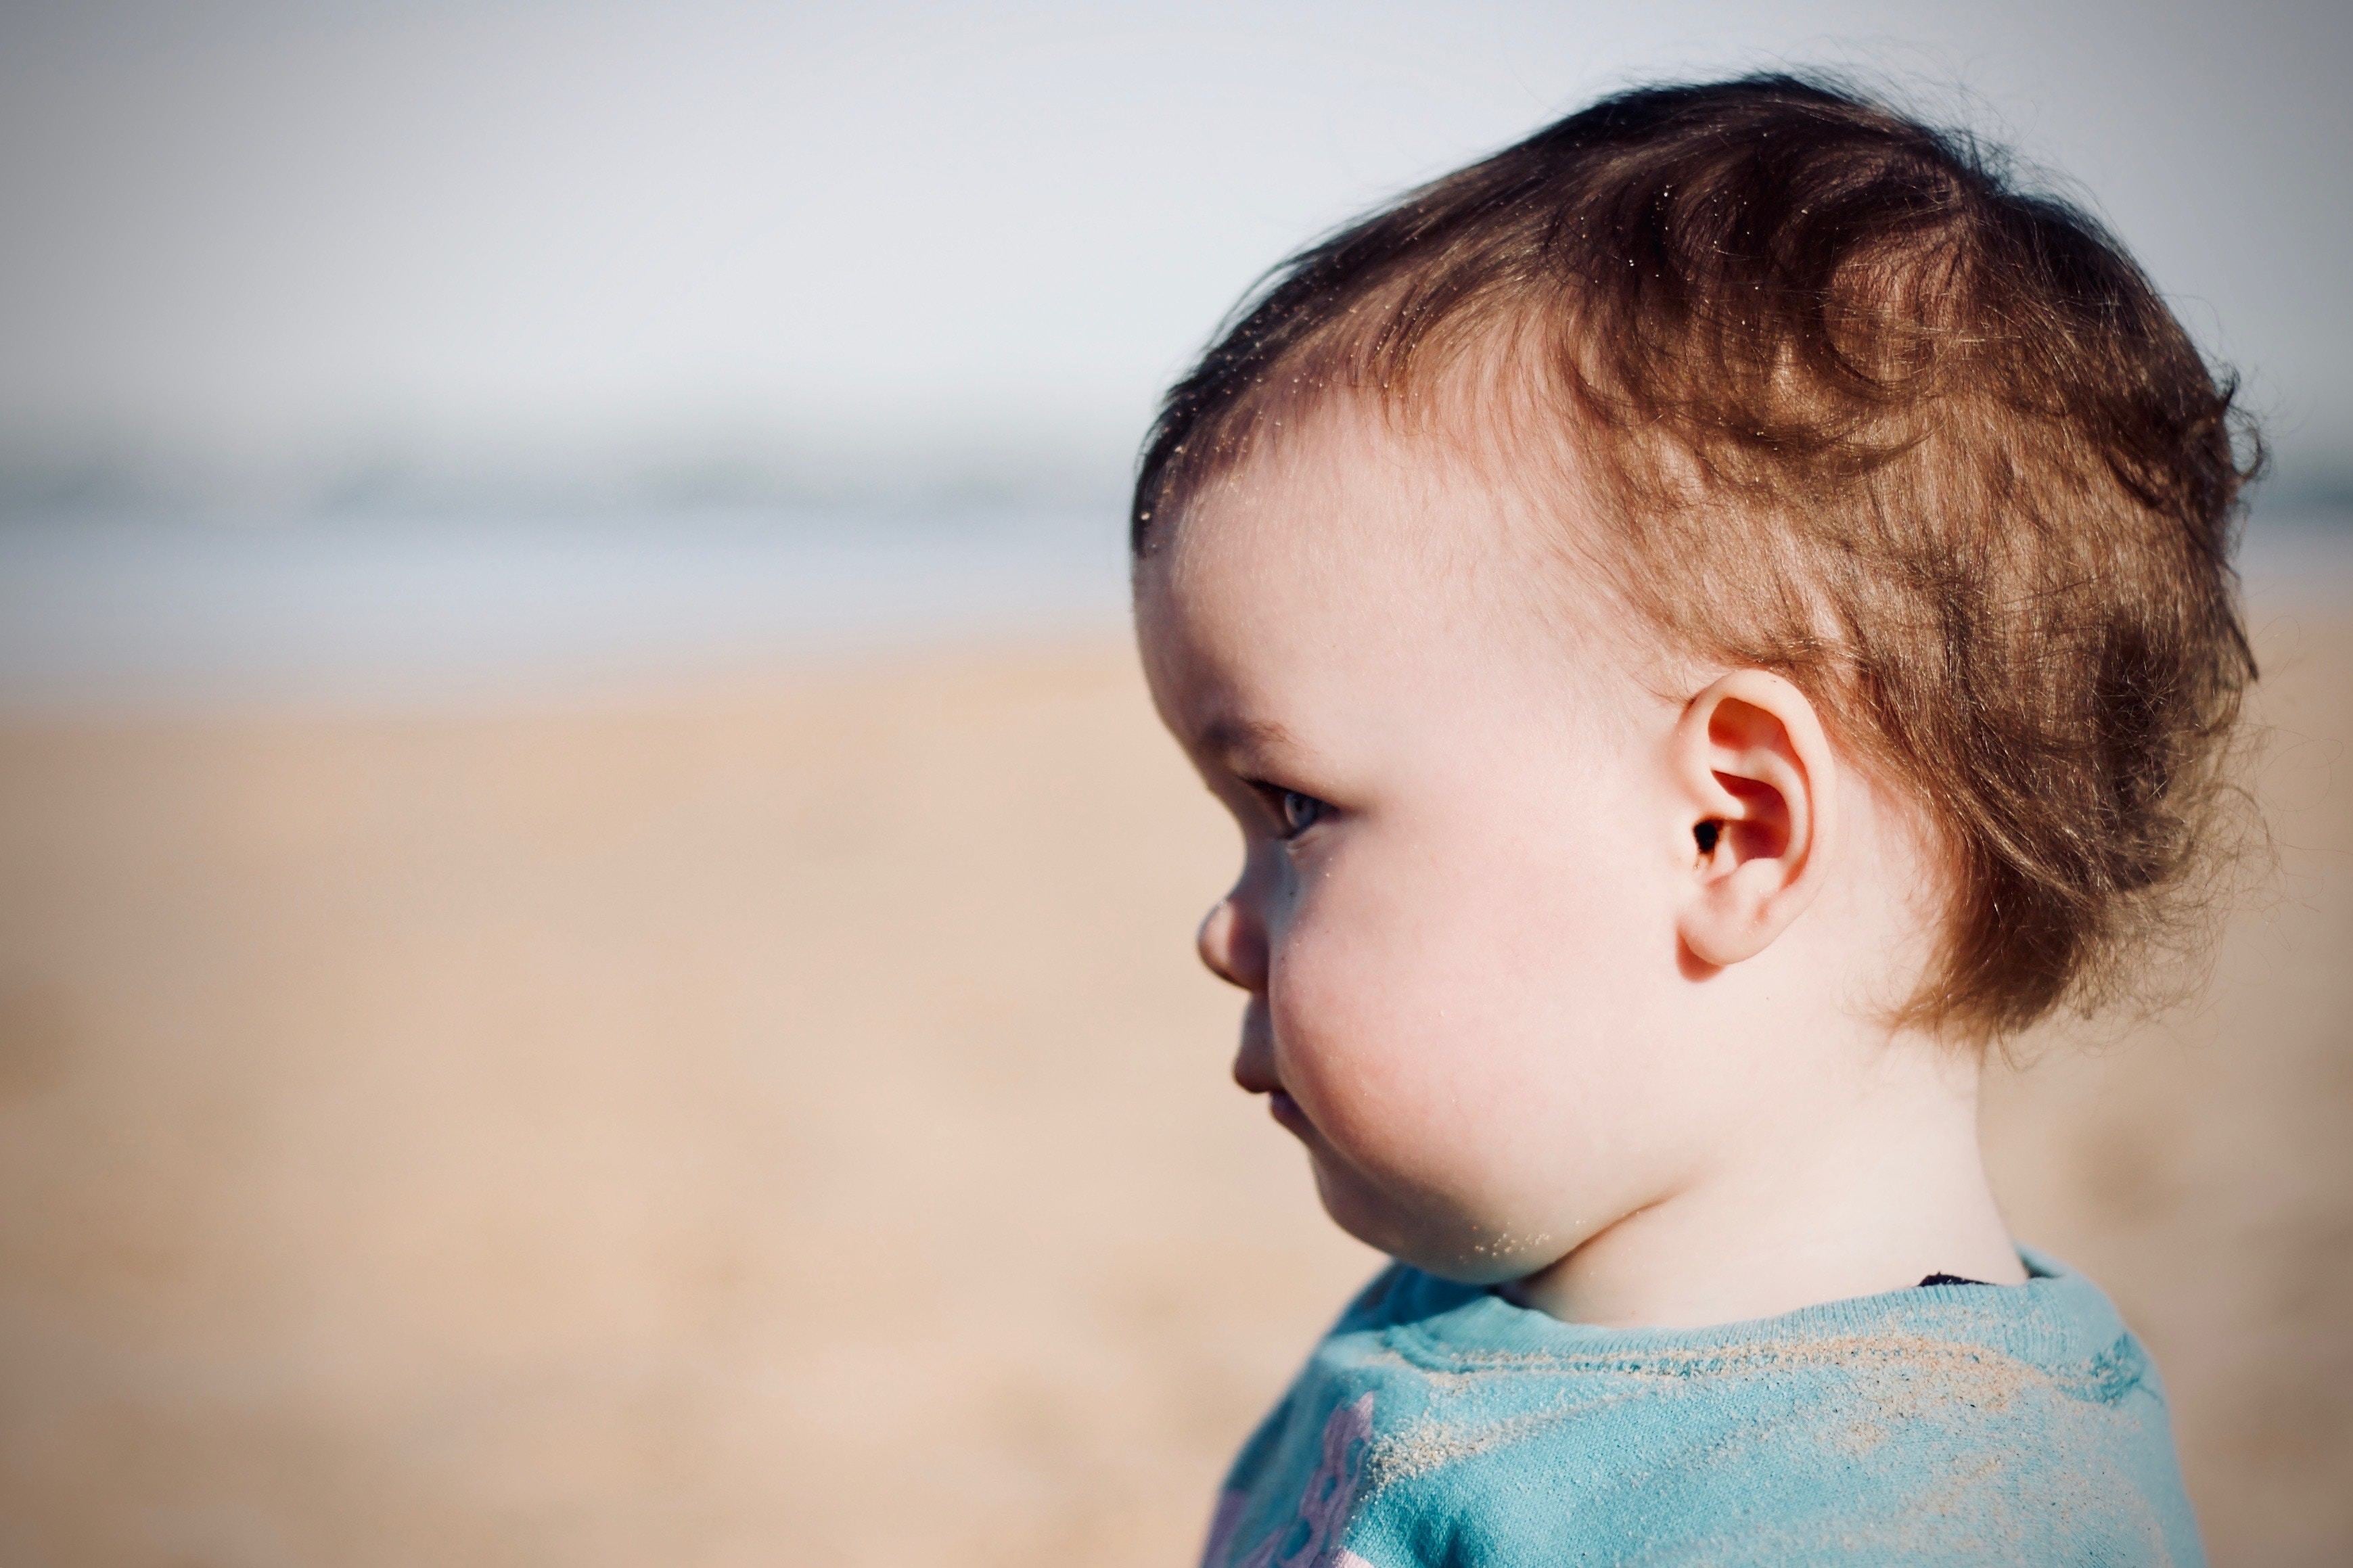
x: 145, y: 614
x: 137, y: 614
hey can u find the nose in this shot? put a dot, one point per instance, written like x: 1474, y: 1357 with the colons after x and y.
x: 1231, y: 945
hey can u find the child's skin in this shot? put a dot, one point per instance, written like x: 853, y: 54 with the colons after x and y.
x: 1528, y: 1030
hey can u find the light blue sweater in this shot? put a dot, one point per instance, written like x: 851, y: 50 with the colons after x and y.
x: 1438, y: 1424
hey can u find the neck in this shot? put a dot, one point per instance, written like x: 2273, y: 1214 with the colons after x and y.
x: 1819, y: 1204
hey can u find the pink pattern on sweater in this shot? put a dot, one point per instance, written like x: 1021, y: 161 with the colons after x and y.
x: 1324, y: 1510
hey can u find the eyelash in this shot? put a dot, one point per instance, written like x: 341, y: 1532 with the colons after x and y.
x: 1291, y: 804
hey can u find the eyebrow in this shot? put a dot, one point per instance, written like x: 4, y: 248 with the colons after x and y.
x: 1231, y: 739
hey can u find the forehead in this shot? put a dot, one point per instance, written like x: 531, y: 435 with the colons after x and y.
x: 1351, y: 550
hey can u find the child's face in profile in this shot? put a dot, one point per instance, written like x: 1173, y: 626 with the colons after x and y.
x: 1464, y: 849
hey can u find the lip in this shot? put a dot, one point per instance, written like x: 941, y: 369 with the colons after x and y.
x: 1285, y: 1111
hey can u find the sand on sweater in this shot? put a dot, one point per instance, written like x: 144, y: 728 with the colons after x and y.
x: 783, y: 1121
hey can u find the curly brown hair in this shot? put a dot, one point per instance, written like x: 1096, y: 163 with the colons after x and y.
x: 1955, y: 468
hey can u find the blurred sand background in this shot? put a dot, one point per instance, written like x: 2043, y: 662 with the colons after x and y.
x: 781, y: 1119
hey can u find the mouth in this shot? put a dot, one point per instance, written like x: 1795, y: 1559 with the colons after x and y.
x: 1254, y: 1070
x: 1286, y: 1112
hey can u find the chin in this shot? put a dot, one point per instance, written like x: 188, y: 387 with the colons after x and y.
x: 1475, y: 1267
x: 1361, y: 1214
x: 1441, y: 1242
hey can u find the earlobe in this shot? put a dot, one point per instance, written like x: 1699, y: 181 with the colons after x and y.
x: 1755, y: 787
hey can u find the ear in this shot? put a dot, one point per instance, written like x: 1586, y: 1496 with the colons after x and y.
x: 1757, y: 797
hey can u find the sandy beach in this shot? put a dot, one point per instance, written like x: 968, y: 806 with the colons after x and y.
x: 780, y: 1120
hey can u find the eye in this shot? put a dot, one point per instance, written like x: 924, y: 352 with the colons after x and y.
x: 1300, y: 812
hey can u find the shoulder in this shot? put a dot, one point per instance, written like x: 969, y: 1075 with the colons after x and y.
x: 1439, y: 1425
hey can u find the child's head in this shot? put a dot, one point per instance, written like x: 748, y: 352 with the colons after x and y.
x: 1716, y: 586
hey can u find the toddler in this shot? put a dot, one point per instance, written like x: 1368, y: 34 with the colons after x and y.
x: 1709, y: 620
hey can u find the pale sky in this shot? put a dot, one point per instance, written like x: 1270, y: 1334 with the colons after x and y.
x: 267, y: 237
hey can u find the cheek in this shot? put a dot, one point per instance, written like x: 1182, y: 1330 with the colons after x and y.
x: 1468, y: 1035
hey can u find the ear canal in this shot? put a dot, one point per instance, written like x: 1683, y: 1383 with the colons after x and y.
x: 1707, y: 833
